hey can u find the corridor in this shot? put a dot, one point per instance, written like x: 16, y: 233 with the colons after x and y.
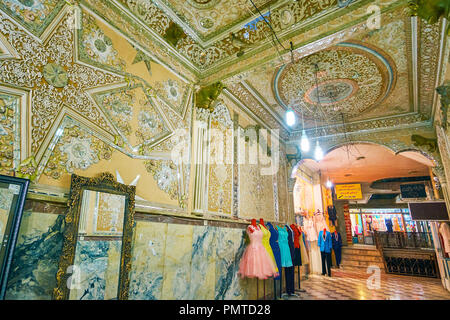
x: 353, y: 286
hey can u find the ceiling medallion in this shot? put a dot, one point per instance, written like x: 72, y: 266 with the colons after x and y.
x: 331, y: 92
x: 353, y: 78
x: 203, y: 4
x: 55, y: 75
x: 206, y: 23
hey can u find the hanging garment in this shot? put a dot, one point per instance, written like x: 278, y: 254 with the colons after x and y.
x: 297, y: 257
x: 314, y: 258
x: 396, y: 225
x: 444, y: 230
x: 266, y: 244
x: 299, y: 219
x: 332, y: 214
x: 275, y: 247
x: 286, y: 260
x: 290, y: 240
x: 310, y: 230
x: 289, y: 271
x: 256, y: 262
x: 303, y: 250
x: 388, y: 223
x: 319, y: 221
x: 337, y: 246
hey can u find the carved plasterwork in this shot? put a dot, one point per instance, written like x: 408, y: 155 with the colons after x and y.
x: 35, y: 15
x: 241, y: 93
x: 96, y: 47
x: 429, y: 60
x: 165, y: 174
x: 222, y: 13
x: 220, y: 168
x: 137, y: 119
x: 49, y: 100
x: 205, y: 52
x: 76, y: 149
x: 9, y: 133
x: 397, y: 140
x: 350, y: 80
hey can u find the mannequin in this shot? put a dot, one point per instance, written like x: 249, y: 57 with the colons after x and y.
x: 286, y: 259
x: 289, y: 271
x: 319, y: 220
x: 337, y: 246
x: 444, y: 230
x: 325, y: 245
x: 297, y: 256
x: 277, y: 254
x: 261, y: 222
x: 266, y: 244
x: 256, y: 261
x: 253, y: 224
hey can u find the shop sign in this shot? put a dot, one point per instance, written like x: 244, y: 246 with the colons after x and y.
x: 348, y: 191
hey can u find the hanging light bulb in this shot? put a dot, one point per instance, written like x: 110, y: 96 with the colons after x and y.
x: 318, y: 153
x: 290, y: 118
x: 304, y: 142
x: 329, y: 184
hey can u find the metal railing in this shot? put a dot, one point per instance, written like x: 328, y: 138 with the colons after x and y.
x: 407, y: 253
x: 403, y: 240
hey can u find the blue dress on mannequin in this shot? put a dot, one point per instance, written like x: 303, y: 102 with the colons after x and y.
x: 274, y: 245
x: 286, y: 259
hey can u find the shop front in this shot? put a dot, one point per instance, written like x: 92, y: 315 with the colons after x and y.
x: 366, y: 221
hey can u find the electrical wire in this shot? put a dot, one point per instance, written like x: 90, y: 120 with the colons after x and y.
x: 268, y: 23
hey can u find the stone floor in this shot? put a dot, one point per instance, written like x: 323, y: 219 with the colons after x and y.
x: 345, y: 285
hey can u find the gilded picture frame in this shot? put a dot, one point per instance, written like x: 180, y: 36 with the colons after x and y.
x: 105, y: 182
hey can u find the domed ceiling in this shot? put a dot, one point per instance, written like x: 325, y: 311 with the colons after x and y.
x: 350, y: 79
x: 367, y: 78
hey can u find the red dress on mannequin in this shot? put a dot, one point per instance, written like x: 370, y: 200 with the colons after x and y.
x: 256, y: 262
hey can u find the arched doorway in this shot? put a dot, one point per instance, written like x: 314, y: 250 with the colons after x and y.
x: 379, y: 172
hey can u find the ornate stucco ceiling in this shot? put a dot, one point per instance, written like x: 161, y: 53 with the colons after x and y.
x: 209, y: 50
x: 372, y: 74
x: 369, y: 79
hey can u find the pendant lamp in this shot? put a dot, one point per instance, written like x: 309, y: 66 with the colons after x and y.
x: 290, y: 118
x: 318, y: 153
x: 304, y: 142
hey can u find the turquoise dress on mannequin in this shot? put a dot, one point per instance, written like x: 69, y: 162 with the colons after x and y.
x: 286, y: 259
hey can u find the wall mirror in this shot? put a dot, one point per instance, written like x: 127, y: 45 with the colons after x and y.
x: 96, y: 258
x: 13, y: 192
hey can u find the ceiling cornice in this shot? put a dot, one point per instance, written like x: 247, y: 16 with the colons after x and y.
x: 205, y: 42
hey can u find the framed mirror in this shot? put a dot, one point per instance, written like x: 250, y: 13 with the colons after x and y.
x: 96, y: 257
x: 13, y: 192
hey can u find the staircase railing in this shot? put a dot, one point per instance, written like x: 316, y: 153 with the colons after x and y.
x: 407, y: 253
x: 403, y: 240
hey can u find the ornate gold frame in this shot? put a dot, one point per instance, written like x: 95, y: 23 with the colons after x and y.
x: 104, y: 182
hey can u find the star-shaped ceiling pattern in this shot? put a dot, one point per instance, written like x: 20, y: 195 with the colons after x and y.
x: 50, y: 69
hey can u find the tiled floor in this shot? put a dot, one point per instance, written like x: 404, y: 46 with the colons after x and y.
x: 353, y: 286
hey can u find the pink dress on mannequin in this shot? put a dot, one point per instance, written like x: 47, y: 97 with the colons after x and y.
x: 256, y: 262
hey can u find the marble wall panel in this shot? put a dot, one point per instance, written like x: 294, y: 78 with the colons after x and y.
x: 99, y: 266
x: 177, y: 264
x: 147, y: 269
x: 229, y: 252
x: 203, y: 262
x: 36, y: 257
